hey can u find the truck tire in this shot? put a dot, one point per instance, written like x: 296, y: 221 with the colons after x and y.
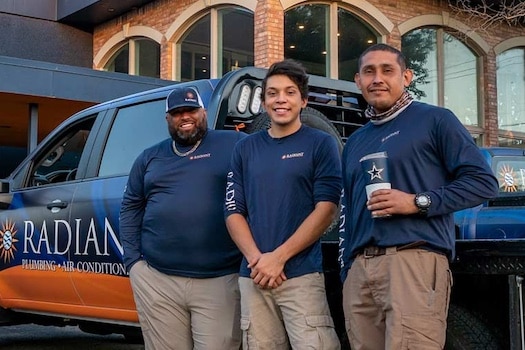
x: 467, y: 332
x: 309, y: 116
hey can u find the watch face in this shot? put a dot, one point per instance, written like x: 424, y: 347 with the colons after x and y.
x: 423, y: 201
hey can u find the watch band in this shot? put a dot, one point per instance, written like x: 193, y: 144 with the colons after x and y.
x: 422, y: 202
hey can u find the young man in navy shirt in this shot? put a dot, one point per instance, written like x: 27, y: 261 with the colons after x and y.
x: 282, y: 194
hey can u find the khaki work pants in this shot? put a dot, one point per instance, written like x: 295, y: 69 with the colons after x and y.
x: 398, y: 300
x: 294, y: 314
x: 180, y: 313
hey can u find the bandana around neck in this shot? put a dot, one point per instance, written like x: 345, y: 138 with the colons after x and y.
x: 380, y: 118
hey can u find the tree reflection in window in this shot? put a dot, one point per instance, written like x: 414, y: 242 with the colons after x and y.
x: 446, y: 72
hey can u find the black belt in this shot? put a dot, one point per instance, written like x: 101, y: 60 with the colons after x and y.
x: 372, y: 251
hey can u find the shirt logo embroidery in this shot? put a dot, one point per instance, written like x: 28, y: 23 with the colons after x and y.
x: 395, y: 133
x: 293, y: 155
x: 199, y: 156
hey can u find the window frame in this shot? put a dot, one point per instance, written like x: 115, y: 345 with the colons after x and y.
x: 508, y: 137
x: 332, y: 30
x: 216, y: 43
x: 133, y: 55
x: 22, y: 176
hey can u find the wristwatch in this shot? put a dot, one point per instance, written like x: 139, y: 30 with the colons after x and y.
x: 423, y: 202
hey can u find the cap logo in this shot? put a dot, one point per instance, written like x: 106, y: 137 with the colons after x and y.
x: 190, y: 96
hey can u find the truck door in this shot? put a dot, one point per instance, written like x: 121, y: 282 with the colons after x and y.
x: 37, y: 234
x: 100, y: 277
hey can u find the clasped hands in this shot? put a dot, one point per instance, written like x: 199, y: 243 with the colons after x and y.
x: 267, y: 271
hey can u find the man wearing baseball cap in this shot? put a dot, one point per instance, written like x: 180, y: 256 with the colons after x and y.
x: 182, y: 263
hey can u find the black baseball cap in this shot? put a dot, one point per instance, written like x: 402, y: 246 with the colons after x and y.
x: 183, y: 97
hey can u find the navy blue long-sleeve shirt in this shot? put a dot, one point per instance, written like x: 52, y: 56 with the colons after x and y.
x: 172, y: 209
x: 429, y: 151
x: 276, y: 183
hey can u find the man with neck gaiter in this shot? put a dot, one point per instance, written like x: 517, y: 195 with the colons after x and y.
x: 419, y: 165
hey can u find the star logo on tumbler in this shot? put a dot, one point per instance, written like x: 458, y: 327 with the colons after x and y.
x: 375, y: 173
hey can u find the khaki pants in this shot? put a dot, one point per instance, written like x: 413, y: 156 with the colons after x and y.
x: 186, y: 313
x: 296, y: 313
x: 398, y: 300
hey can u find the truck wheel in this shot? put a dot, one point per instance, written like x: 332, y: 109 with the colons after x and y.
x: 467, y: 332
x: 309, y: 116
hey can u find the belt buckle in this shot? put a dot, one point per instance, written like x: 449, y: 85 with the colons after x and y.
x: 370, y: 252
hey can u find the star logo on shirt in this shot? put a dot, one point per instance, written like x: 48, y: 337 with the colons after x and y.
x: 375, y: 173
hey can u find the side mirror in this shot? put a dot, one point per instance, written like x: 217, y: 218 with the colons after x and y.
x: 4, y: 186
x: 5, y: 196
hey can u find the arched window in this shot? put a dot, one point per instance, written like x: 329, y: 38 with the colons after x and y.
x: 219, y: 42
x: 445, y: 70
x: 511, y: 96
x: 195, y: 51
x: 307, y: 33
x: 138, y: 56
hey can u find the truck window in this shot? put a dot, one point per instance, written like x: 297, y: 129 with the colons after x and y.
x: 510, y: 172
x: 59, y: 162
x: 135, y: 128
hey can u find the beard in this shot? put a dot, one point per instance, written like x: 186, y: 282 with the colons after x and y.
x: 185, y: 138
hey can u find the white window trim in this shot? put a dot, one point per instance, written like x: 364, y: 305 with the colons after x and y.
x: 480, y: 46
x: 111, y: 46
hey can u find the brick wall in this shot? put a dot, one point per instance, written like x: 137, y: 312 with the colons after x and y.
x: 269, y: 33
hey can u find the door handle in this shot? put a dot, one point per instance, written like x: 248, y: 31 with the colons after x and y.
x: 56, y: 205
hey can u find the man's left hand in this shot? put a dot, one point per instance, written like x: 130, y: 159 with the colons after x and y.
x: 268, y: 272
x: 391, y: 202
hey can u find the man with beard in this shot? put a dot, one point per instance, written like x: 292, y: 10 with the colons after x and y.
x: 182, y: 263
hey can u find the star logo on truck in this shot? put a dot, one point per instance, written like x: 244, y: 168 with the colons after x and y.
x: 7, y: 241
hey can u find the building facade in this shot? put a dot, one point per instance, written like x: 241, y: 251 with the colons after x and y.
x: 477, y: 73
